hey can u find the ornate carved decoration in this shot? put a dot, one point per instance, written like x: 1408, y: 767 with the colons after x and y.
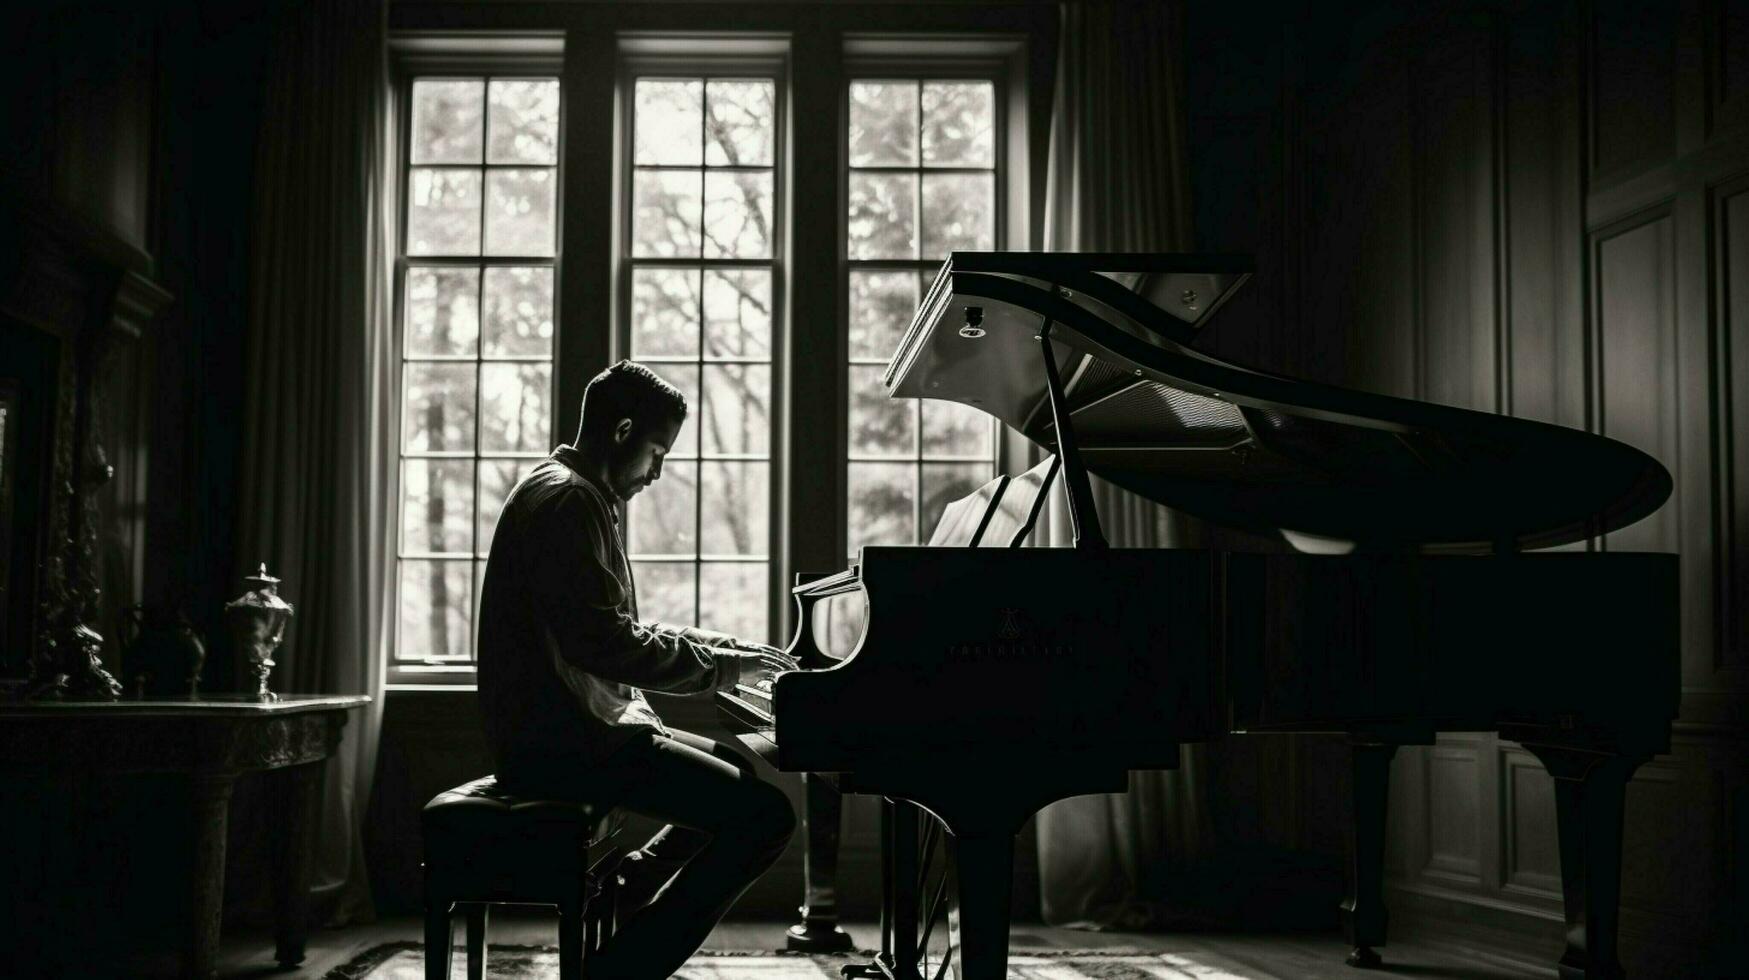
x: 61, y: 277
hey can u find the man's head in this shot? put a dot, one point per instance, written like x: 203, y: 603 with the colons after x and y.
x: 630, y: 420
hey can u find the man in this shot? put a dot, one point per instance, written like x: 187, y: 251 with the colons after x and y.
x: 564, y: 662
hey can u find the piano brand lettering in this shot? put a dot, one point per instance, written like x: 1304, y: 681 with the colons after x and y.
x: 1012, y: 645
x: 1009, y: 652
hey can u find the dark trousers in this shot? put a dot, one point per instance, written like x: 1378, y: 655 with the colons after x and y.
x: 726, y: 827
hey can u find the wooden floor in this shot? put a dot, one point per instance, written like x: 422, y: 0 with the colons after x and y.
x: 1225, y: 956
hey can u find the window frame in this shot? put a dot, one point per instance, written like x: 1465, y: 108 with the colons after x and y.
x: 995, y: 57
x: 705, y: 57
x: 414, y: 58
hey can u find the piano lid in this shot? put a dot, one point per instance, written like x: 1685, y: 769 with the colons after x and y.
x: 1245, y: 448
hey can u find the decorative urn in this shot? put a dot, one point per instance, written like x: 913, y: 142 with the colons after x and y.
x: 257, y: 619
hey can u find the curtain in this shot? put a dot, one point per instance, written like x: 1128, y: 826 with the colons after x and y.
x: 318, y: 472
x: 1117, y: 181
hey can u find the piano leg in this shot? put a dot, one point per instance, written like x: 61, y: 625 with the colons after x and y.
x: 1590, y: 789
x: 983, y: 872
x: 1363, y: 910
x: 899, y: 956
x: 818, y: 931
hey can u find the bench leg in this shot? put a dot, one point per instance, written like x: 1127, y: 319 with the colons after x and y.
x: 477, y: 941
x: 437, y: 940
x: 571, y: 942
x: 600, y: 912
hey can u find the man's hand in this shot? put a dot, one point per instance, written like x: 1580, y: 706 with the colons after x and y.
x: 757, y: 668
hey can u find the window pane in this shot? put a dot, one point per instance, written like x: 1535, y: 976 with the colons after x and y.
x: 737, y: 312
x: 838, y: 623
x: 944, y: 483
x: 438, y: 515
x: 881, y: 307
x: 661, y: 518
x: 439, y: 407
x: 959, y: 212
x: 685, y: 378
x: 880, y: 504
x: 666, y: 213
x: 497, y: 478
x: 520, y: 218
x: 740, y: 123
x: 883, y: 124
x: 952, y: 429
x: 737, y: 520
x: 515, y: 407
x: 446, y: 121
x: 959, y: 125
x: 879, y: 426
x: 664, y: 312
x: 443, y: 212
x: 669, y: 122
x: 665, y: 592
x: 524, y: 122
x: 883, y: 216
x: 732, y: 598
x: 519, y: 311
x: 737, y: 215
x: 735, y: 417
x: 436, y: 610
x: 443, y: 311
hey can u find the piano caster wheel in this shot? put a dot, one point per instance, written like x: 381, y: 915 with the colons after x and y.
x: 803, y: 938
x: 1364, y: 958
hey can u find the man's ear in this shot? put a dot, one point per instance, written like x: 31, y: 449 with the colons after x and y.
x: 622, y: 431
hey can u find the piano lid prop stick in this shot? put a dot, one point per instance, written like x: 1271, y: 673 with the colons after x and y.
x: 1083, y: 517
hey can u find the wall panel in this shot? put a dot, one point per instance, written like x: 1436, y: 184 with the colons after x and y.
x: 1359, y: 164
x: 1634, y: 340
x: 1454, y: 178
x: 1454, y: 813
x: 1530, y: 848
x: 1731, y: 256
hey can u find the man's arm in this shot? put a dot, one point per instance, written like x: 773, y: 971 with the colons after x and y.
x: 580, y: 600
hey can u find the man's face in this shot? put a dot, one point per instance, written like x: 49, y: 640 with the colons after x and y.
x: 638, y: 455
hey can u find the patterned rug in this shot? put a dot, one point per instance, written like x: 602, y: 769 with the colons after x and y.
x: 406, y: 961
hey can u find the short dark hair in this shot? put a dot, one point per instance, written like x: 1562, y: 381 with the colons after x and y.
x: 627, y: 390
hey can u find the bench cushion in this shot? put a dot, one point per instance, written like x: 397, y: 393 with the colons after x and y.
x: 484, y: 843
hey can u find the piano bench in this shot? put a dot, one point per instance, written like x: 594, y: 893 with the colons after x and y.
x: 486, y: 846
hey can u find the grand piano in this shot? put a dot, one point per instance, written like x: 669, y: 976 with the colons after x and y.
x: 1415, y: 573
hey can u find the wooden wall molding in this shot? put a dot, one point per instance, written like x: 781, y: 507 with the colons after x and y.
x: 1728, y: 256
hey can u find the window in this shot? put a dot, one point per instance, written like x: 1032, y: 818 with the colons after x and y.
x: 700, y: 274
x: 923, y: 180
x: 658, y: 227
x: 479, y: 257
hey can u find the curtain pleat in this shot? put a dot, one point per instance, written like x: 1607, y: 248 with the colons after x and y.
x: 318, y: 478
x: 1118, y: 182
